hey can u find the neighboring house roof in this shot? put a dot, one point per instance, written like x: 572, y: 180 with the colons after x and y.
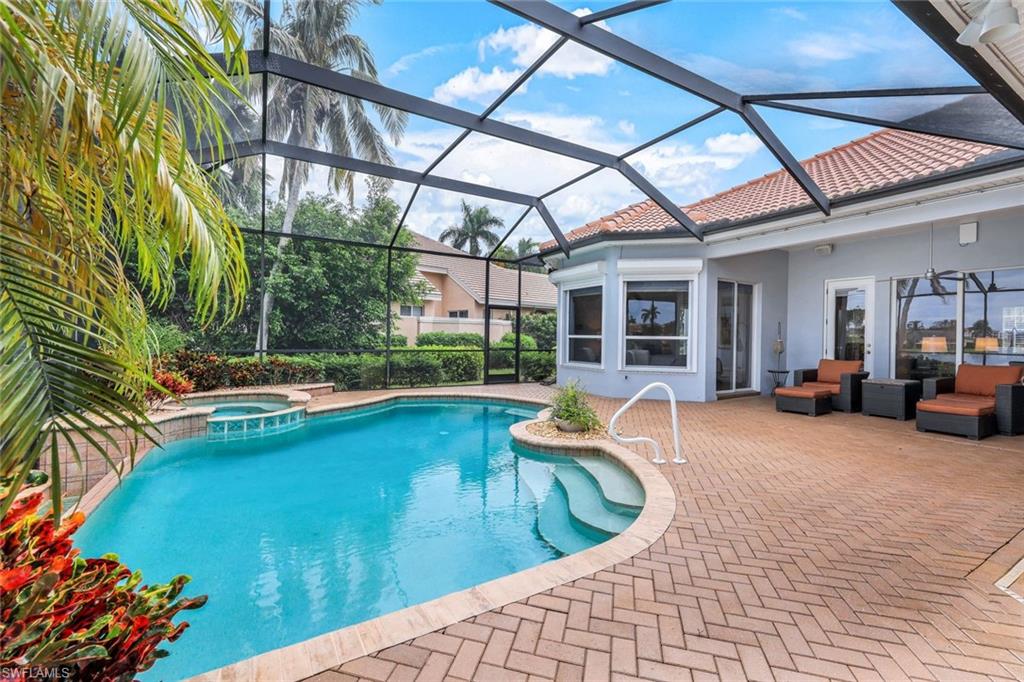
x: 429, y: 290
x: 885, y: 158
x: 538, y: 291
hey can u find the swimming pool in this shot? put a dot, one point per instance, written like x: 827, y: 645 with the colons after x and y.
x: 347, y: 518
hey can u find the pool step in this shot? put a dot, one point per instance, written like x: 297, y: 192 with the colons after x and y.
x: 586, y: 503
x: 556, y: 526
x: 618, y: 487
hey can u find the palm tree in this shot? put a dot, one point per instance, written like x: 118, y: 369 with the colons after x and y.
x: 650, y: 315
x: 317, y: 32
x: 476, y: 231
x: 526, y: 246
x: 95, y: 167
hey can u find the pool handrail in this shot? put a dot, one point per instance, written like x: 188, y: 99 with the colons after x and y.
x: 658, y: 459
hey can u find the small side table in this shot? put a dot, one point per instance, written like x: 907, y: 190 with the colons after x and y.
x: 895, y: 398
x: 779, y: 377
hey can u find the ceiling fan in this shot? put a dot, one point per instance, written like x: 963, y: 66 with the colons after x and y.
x: 930, y: 274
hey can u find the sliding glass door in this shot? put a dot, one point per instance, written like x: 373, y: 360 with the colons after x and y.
x: 735, y: 359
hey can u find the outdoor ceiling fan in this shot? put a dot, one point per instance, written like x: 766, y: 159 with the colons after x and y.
x: 991, y: 21
x: 930, y: 274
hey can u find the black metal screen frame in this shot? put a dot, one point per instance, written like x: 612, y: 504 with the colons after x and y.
x: 582, y: 31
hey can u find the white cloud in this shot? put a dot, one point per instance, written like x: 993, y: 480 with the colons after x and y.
x: 742, y: 144
x: 527, y: 42
x: 476, y: 85
x: 792, y: 13
x: 750, y: 79
x: 832, y: 47
x: 524, y: 44
x: 627, y: 127
x: 405, y: 61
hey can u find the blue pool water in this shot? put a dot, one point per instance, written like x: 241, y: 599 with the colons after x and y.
x: 238, y: 408
x: 344, y: 519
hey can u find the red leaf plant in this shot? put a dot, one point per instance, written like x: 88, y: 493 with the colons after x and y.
x: 90, y: 616
x: 167, y: 385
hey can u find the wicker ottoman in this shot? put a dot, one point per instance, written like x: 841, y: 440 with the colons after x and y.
x: 896, y: 398
x: 809, y: 401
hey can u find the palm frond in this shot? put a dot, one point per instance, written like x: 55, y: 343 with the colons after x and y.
x: 94, y: 98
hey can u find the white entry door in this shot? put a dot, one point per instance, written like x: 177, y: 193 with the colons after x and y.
x: 850, y: 320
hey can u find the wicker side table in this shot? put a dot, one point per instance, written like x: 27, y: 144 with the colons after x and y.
x: 895, y: 398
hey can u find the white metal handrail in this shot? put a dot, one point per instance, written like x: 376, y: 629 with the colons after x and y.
x: 658, y: 459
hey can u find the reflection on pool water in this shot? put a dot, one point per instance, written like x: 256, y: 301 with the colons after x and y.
x: 346, y: 518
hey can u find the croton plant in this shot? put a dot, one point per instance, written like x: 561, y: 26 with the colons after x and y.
x: 92, y: 617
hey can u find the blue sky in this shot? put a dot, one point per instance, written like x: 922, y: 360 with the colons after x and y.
x: 465, y: 53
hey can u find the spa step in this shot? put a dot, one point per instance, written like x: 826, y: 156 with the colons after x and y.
x: 586, y: 504
x: 556, y: 527
x: 618, y: 487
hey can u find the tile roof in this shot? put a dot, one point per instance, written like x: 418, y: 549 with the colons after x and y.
x: 538, y: 292
x: 885, y: 158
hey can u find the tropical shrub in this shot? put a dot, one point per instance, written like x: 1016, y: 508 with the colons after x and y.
x: 372, y: 371
x: 92, y: 616
x: 543, y: 327
x: 458, y: 365
x: 166, y: 337
x: 461, y: 339
x: 415, y: 369
x: 503, y: 353
x: 167, y: 385
x: 570, y: 404
x: 206, y: 371
x: 537, y: 365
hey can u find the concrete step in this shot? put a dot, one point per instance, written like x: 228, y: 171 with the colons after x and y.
x: 616, y: 485
x: 586, y: 503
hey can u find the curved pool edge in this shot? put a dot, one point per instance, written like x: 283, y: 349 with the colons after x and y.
x: 181, y: 421
x: 315, y: 655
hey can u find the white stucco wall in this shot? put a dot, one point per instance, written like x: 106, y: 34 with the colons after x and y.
x: 884, y: 257
x: 790, y: 288
x: 767, y: 270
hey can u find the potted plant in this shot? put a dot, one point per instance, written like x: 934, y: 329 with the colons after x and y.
x: 571, y: 411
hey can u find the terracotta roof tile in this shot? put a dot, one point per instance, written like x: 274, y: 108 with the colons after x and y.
x: 884, y: 158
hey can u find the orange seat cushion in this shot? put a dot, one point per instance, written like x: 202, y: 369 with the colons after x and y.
x: 961, y: 404
x: 831, y: 371
x: 802, y: 392
x: 833, y: 389
x: 982, y: 379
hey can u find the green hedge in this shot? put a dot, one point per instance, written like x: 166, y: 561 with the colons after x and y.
x: 503, y: 353
x: 460, y: 339
x: 537, y: 365
x: 424, y: 366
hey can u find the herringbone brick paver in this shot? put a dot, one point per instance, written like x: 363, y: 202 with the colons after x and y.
x: 802, y: 549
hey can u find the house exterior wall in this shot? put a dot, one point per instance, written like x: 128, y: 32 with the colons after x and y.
x: 453, y: 297
x: 789, y: 289
x: 768, y: 271
x: 885, y: 257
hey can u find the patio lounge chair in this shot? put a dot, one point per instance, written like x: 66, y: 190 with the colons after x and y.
x: 834, y: 385
x: 979, y: 402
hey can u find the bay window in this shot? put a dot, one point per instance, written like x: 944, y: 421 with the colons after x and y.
x: 584, y: 324
x: 657, y: 324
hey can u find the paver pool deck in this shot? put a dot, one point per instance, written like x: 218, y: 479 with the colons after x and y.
x: 840, y: 547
